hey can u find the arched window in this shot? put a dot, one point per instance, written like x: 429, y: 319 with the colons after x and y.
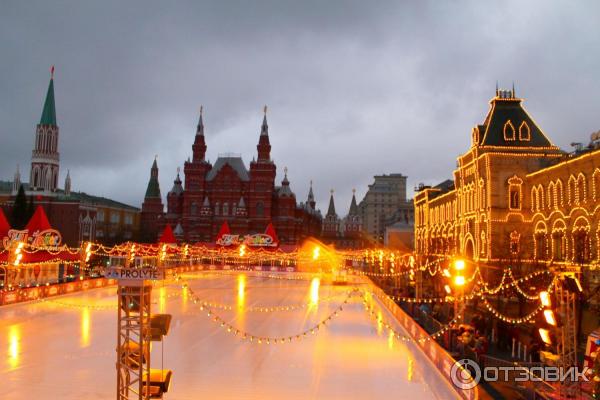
x: 581, y: 189
x: 217, y: 208
x: 558, y: 194
x: 225, y: 209
x: 193, y: 208
x: 559, y: 241
x: 260, y: 209
x: 540, y: 200
x: 596, y: 184
x: 233, y: 209
x: 524, y: 132
x: 534, y: 199
x: 572, y: 191
x: 541, y: 244
x: 515, y: 238
x: 514, y: 193
x: 509, y: 131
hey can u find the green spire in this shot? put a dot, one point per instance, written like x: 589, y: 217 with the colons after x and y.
x: 153, y: 189
x: 49, y: 112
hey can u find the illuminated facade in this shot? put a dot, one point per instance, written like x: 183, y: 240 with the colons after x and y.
x: 515, y: 197
x: 246, y: 198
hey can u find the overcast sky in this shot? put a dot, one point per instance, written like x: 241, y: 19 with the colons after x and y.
x: 354, y: 88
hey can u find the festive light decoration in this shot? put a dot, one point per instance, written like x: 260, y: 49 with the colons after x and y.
x: 253, y: 338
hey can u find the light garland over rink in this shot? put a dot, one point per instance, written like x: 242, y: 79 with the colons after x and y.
x: 252, y: 338
x: 371, y: 312
x: 256, y: 259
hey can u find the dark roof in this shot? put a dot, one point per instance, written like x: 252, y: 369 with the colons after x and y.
x: 509, y: 114
x: 234, y: 162
x: 445, y: 186
x: 6, y: 187
x: 95, y: 200
x: 49, y: 112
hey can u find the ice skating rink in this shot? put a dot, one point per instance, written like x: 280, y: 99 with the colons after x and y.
x: 64, y: 348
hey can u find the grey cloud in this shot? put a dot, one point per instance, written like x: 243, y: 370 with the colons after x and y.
x: 354, y: 88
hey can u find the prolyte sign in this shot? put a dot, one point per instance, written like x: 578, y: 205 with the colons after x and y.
x: 135, y: 274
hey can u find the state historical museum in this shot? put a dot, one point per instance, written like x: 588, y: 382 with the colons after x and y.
x: 247, y: 199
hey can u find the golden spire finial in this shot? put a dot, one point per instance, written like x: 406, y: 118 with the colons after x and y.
x: 265, y: 109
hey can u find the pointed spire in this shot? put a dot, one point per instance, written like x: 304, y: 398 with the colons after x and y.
x: 496, y: 88
x: 153, y: 189
x: 200, y: 128
x: 285, y: 178
x: 206, y: 202
x: 16, y: 180
x: 331, y: 209
x: 68, y: 183
x: 513, y: 91
x: 353, y: 206
x: 177, y: 187
x: 264, y: 130
x: 242, y: 203
x: 310, y: 201
x: 49, y: 111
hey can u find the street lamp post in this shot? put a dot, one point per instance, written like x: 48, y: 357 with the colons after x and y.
x: 459, y: 283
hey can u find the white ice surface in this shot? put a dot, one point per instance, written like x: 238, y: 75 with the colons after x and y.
x: 51, y: 351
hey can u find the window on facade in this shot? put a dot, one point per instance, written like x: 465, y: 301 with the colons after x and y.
x: 540, y: 246
x: 558, y: 245
x: 99, y: 233
x: 524, y: 132
x: 515, y: 237
x: 194, y: 208
x: 514, y: 199
x: 128, y: 219
x: 581, y: 246
x: 115, y: 218
x: 509, y: 131
x: 225, y: 208
x: 217, y: 208
x: 260, y: 209
x: 100, y: 215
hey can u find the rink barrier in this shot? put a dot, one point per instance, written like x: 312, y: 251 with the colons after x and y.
x: 438, y: 356
x: 21, y: 295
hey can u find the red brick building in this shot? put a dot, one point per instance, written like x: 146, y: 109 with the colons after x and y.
x: 246, y: 198
x: 78, y: 216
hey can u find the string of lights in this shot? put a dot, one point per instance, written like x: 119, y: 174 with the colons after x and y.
x: 259, y: 339
x: 371, y: 311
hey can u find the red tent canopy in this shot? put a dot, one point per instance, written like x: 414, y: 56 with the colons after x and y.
x: 271, y: 232
x: 38, y: 222
x: 167, y: 236
x: 223, y: 231
x: 4, y: 226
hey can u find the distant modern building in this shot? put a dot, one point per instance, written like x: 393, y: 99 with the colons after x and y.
x: 385, y: 204
x: 78, y: 216
x: 246, y: 198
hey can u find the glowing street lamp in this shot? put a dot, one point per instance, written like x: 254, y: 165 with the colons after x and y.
x: 545, y: 299
x: 459, y: 280
x: 545, y: 335
x: 459, y: 264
